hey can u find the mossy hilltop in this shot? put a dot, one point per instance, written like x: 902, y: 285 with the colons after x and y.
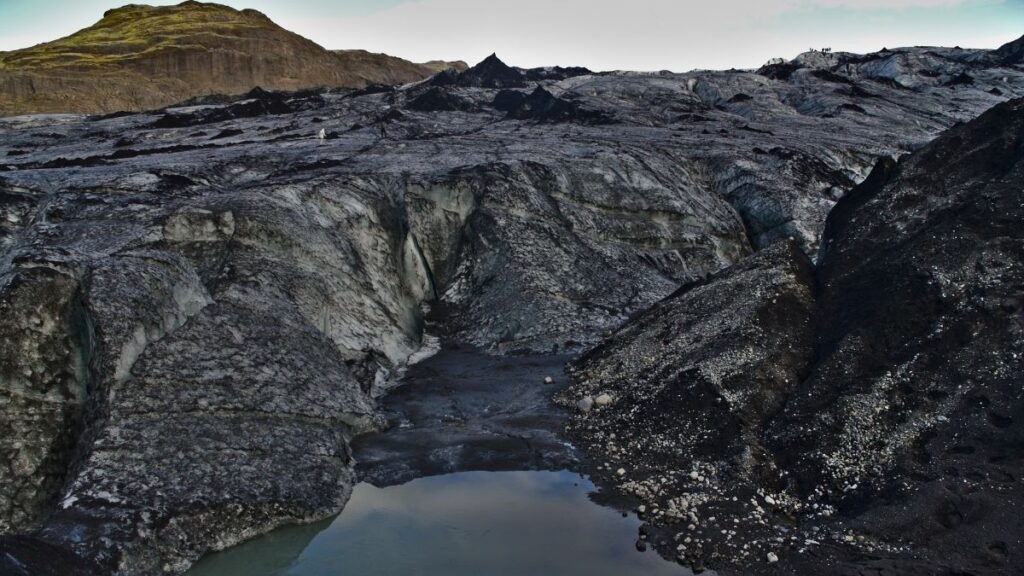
x: 140, y: 56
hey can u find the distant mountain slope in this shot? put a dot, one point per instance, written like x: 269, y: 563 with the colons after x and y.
x: 140, y: 57
x: 383, y: 69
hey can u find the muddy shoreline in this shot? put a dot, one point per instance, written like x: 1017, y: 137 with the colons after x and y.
x: 463, y: 410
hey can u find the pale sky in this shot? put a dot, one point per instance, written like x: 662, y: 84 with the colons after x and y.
x: 677, y: 35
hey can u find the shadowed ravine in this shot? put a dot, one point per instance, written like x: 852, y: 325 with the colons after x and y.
x: 465, y: 411
x: 472, y: 476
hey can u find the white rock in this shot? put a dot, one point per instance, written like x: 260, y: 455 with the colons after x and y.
x: 585, y: 404
x: 621, y: 471
x: 548, y: 379
x: 772, y: 558
x: 603, y: 400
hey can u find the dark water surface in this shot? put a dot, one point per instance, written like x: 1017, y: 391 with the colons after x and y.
x: 463, y: 524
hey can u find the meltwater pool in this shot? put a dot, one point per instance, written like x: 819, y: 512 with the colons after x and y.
x: 462, y: 524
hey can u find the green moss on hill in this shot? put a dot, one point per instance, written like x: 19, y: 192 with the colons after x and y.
x: 137, y: 32
x: 140, y: 57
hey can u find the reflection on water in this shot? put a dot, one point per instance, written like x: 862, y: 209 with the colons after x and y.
x: 272, y: 553
x: 471, y: 523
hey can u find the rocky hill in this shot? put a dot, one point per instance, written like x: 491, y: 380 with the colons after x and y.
x: 143, y: 57
x: 861, y: 415
x: 201, y: 303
